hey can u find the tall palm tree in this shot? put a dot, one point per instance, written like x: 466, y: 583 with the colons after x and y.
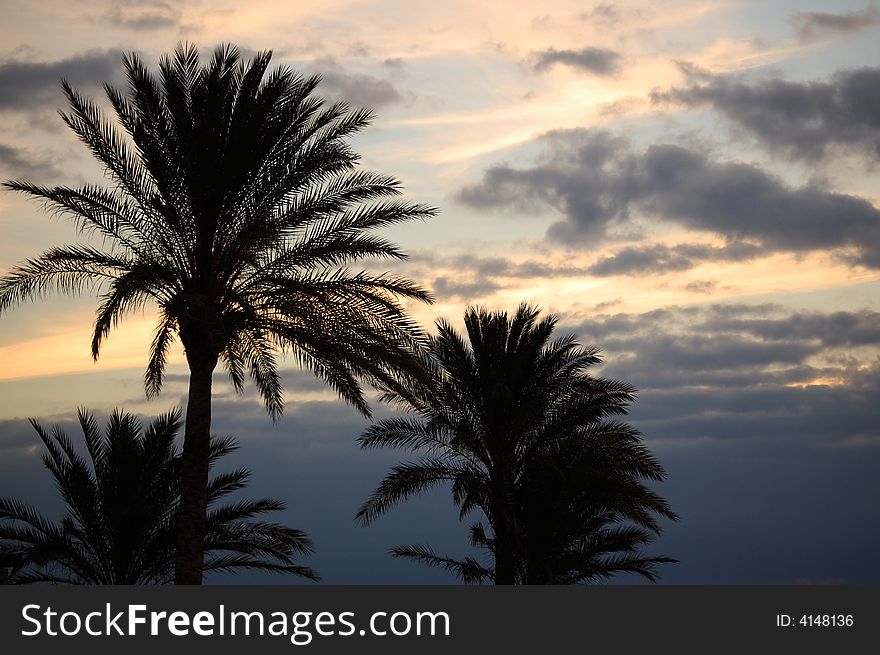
x: 234, y: 207
x: 122, y: 502
x: 523, y: 433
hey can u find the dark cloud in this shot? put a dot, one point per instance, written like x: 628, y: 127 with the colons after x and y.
x: 448, y: 288
x: 735, y: 345
x: 769, y: 321
x: 639, y: 260
x: 816, y: 24
x: 832, y: 330
x: 17, y: 436
x: 18, y: 163
x: 29, y: 85
x: 358, y: 89
x: 696, y: 352
x: 598, y: 61
x: 659, y: 258
x: 773, y: 482
x: 797, y: 119
x: 742, y: 421
x: 810, y: 416
x: 599, y: 182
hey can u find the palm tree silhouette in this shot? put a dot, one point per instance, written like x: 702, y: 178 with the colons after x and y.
x: 235, y: 205
x: 524, y: 434
x: 120, y: 526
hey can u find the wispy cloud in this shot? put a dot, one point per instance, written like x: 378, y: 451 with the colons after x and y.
x: 604, y: 14
x: 359, y: 89
x: 817, y: 24
x: 659, y: 258
x: 468, y: 276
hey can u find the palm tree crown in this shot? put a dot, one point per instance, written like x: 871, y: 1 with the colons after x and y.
x: 235, y: 207
x: 120, y: 525
x: 525, y: 435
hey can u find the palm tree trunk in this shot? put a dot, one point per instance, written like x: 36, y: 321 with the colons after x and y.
x: 505, y: 539
x: 505, y: 556
x: 504, y: 572
x: 194, y: 473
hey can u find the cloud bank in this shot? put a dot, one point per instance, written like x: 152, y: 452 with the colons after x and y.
x: 36, y: 86
x: 801, y: 120
x: 599, y: 182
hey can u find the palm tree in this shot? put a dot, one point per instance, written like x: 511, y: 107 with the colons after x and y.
x: 521, y: 432
x: 235, y: 206
x: 120, y: 525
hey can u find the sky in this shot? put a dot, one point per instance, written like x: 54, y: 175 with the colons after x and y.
x: 691, y: 186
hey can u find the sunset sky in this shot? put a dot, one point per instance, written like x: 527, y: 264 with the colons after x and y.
x: 691, y: 186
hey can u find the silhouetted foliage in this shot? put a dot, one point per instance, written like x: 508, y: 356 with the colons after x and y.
x: 122, y: 502
x: 523, y: 433
x: 235, y: 204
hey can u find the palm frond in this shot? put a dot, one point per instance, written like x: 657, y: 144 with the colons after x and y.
x: 120, y: 526
x: 403, y: 481
x: 522, y: 432
x: 469, y: 570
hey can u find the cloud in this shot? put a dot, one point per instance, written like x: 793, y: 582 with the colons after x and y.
x: 763, y: 322
x: 701, y: 286
x: 599, y: 182
x: 813, y: 25
x: 393, y: 63
x: 607, y: 304
x: 750, y: 346
x: 604, y: 14
x: 18, y: 163
x: 358, y: 89
x: 780, y: 400
x: 801, y: 120
x: 448, y: 288
x: 832, y: 330
x: 598, y: 61
x: 659, y: 258
x: 773, y: 482
x: 608, y: 16
x: 467, y: 276
x: 488, y: 266
x: 143, y: 15
x: 17, y: 436
x: 800, y: 416
x: 34, y: 86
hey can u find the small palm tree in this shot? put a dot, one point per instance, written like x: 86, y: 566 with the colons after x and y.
x: 521, y: 432
x: 122, y: 508
x: 234, y: 207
